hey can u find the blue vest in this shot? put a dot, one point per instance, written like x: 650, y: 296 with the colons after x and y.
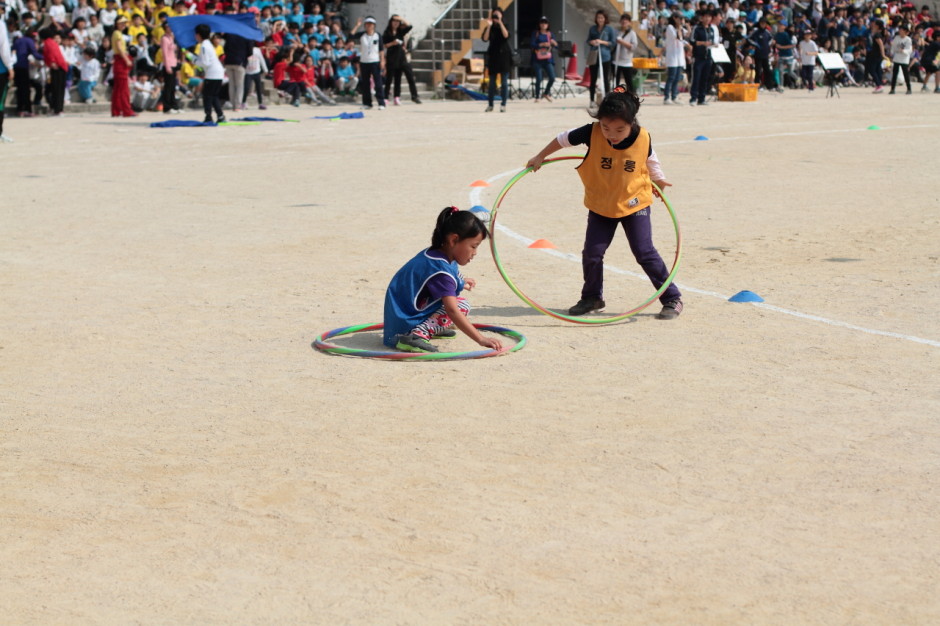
x: 402, y: 313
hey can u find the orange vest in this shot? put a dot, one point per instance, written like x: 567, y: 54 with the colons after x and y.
x: 616, y: 182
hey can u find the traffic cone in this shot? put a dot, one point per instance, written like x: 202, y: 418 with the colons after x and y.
x: 586, y: 80
x: 572, y: 72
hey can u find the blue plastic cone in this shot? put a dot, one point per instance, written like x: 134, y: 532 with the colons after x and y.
x: 745, y: 296
x: 701, y: 138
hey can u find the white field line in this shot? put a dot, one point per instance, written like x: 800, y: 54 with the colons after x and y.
x: 476, y: 199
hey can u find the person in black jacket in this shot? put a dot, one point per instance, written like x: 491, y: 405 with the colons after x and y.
x: 498, y: 58
x: 396, y: 59
x: 761, y: 40
x: 237, y: 50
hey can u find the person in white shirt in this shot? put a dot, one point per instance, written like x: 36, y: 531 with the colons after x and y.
x: 674, y: 50
x: 145, y: 92
x: 6, y: 67
x: 901, y: 49
x: 256, y: 68
x: 57, y: 13
x: 371, y: 61
x: 808, y: 52
x: 90, y: 73
x: 623, y: 53
x: 107, y: 17
x: 213, y: 73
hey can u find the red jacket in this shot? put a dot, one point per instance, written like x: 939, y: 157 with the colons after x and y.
x: 280, y: 68
x: 52, y: 54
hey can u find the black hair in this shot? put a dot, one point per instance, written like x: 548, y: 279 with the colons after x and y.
x: 454, y: 221
x: 621, y: 103
x: 203, y: 31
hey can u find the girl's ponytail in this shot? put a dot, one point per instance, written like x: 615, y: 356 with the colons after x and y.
x: 454, y: 221
x: 620, y: 103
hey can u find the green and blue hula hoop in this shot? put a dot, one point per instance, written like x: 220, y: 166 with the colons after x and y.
x: 321, y: 343
x: 571, y: 318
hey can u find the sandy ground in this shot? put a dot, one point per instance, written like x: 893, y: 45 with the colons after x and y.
x: 172, y: 449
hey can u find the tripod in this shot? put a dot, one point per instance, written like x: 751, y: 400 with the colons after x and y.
x: 833, y: 86
x: 564, y: 52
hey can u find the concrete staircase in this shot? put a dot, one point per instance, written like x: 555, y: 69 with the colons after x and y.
x: 449, y: 41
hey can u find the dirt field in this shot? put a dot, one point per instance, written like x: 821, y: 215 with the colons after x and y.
x: 172, y: 449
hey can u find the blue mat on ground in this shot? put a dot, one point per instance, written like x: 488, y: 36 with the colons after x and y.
x: 342, y: 116
x: 179, y: 123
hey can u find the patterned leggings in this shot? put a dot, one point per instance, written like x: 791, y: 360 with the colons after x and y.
x: 439, y: 320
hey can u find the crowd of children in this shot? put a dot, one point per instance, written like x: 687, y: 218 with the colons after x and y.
x: 309, y: 52
x: 777, y: 43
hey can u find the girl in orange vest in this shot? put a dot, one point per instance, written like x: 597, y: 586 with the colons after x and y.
x: 616, y: 173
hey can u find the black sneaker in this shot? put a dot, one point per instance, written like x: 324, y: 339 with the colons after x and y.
x: 670, y: 310
x: 414, y: 343
x: 221, y: 120
x: 447, y: 333
x: 586, y: 305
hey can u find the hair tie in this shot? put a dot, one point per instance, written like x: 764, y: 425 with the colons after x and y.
x: 453, y: 210
x: 619, y: 89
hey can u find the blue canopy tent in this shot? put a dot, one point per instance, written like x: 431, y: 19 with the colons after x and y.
x: 184, y: 28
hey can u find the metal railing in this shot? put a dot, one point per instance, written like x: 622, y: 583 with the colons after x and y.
x: 483, y: 6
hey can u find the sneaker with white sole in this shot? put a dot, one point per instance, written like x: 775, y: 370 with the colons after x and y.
x: 671, y: 310
x: 414, y: 343
x: 587, y: 305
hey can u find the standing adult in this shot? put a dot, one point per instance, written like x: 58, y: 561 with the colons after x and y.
x: 498, y: 58
x: 761, y: 39
x: 55, y: 61
x: 213, y: 72
x: 702, y: 41
x: 785, y: 46
x: 371, y: 61
x: 6, y: 67
x: 601, y: 39
x: 25, y: 47
x: 170, y: 67
x: 395, y: 39
x: 121, y: 71
x: 543, y: 61
x: 675, y: 57
x: 237, y: 49
x: 876, y: 55
x: 623, y: 56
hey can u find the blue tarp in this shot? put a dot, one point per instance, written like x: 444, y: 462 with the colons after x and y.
x: 184, y: 28
x: 342, y: 116
x: 179, y: 123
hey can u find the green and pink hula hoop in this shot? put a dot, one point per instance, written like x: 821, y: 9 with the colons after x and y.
x: 321, y: 343
x: 571, y: 318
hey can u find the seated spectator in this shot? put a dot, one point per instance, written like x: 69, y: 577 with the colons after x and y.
x: 347, y: 78
x: 313, y: 91
x: 95, y: 31
x: 283, y: 83
x: 145, y: 93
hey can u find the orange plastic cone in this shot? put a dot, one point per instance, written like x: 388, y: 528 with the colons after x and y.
x: 586, y: 79
x: 541, y: 243
x: 572, y: 72
x: 479, y: 183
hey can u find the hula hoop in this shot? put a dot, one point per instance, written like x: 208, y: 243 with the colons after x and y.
x: 571, y: 318
x: 321, y: 343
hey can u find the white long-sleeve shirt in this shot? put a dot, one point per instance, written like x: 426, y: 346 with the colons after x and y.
x: 209, y: 61
x: 901, y: 48
x: 256, y: 63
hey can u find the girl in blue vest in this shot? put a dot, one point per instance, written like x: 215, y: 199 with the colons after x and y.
x: 423, y: 300
x: 616, y: 173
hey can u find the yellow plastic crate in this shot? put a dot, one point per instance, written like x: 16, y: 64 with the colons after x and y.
x: 645, y: 64
x: 737, y: 92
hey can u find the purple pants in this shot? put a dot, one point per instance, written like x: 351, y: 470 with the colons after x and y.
x: 600, y: 232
